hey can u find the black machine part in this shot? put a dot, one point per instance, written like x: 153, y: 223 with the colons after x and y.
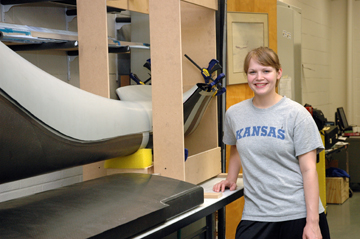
x: 115, y: 206
x: 331, y: 135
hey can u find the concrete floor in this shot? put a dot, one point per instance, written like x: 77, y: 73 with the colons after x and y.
x: 344, y: 219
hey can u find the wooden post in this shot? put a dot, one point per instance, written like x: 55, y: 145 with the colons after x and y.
x: 93, y: 59
x: 167, y: 88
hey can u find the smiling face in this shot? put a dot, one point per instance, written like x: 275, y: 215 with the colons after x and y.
x: 263, y: 70
x: 262, y: 79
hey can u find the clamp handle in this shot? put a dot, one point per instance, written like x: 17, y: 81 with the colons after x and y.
x: 207, y: 74
x: 147, y: 64
x: 221, y: 91
x: 217, y: 85
x: 218, y: 78
x: 214, y: 65
x: 135, y: 78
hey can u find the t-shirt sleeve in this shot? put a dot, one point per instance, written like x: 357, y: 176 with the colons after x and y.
x: 307, y: 136
x: 228, y: 138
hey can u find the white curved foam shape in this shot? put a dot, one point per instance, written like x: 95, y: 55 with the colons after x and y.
x: 134, y: 93
x: 143, y: 93
x: 70, y: 110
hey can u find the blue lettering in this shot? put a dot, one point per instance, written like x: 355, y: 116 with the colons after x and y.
x: 256, y: 130
x: 260, y: 131
x: 238, y: 134
x: 247, y: 132
x: 281, y: 134
x: 272, y: 132
x: 264, y: 131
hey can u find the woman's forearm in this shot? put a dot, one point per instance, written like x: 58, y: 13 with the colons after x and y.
x: 234, y: 164
x: 311, y: 185
x: 311, y: 189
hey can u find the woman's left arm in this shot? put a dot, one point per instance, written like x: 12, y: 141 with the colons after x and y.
x: 307, y: 163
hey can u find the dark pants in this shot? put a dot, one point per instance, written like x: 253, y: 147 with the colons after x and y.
x: 278, y: 230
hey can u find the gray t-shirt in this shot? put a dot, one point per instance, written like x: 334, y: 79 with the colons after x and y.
x: 269, y: 141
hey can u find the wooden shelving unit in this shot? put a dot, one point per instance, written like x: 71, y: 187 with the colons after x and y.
x: 30, y: 38
x: 176, y: 28
x: 67, y: 3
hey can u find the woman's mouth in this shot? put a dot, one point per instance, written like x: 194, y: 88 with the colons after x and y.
x: 260, y: 85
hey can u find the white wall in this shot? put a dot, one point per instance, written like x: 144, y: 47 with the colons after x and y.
x: 356, y: 63
x: 54, y: 62
x: 338, y: 86
x: 339, y: 57
x: 315, y: 52
x: 324, y: 55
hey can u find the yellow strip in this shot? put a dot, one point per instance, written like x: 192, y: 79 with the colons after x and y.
x: 140, y: 159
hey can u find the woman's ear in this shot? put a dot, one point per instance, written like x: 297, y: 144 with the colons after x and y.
x: 279, y: 74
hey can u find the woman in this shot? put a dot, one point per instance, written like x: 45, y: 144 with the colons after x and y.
x: 277, y: 141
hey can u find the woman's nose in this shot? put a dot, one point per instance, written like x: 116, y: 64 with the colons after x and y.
x: 259, y: 76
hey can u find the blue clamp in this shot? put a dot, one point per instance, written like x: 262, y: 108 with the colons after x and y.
x: 136, y: 79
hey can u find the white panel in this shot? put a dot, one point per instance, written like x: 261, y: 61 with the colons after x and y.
x: 289, y: 48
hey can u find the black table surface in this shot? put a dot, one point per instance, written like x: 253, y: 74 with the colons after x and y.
x: 116, y: 206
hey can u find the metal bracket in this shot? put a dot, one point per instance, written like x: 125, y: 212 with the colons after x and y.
x: 4, y: 9
x: 69, y: 59
x: 68, y: 19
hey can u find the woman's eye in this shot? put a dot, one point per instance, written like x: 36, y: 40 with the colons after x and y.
x: 266, y: 71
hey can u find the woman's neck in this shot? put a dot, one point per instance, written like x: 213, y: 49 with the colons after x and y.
x: 267, y: 101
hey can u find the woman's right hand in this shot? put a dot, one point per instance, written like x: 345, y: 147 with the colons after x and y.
x: 221, y: 186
